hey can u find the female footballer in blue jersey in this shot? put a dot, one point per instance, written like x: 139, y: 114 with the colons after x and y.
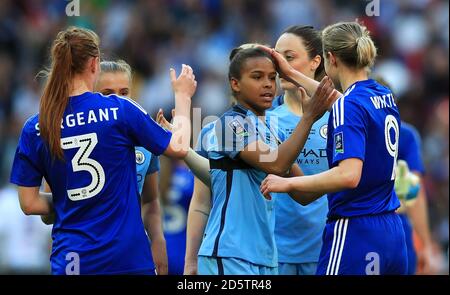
x: 82, y: 143
x: 363, y: 234
x: 239, y: 234
x: 115, y: 78
x: 298, y: 229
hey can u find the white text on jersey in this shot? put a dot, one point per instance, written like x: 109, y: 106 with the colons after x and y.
x: 385, y: 101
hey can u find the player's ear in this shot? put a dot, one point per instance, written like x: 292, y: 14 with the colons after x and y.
x: 94, y: 65
x: 331, y: 58
x: 235, y: 85
x: 315, y: 62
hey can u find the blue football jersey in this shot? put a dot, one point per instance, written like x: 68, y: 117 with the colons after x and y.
x: 175, y: 216
x: 410, y: 151
x: 365, y: 124
x: 95, y: 193
x: 409, y: 148
x: 146, y: 164
x: 277, y: 101
x: 298, y: 229
x: 241, y: 222
x: 206, y: 139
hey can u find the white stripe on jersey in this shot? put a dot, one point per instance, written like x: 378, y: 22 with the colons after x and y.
x: 342, y: 111
x: 344, y: 234
x: 338, y: 109
x: 134, y: 103
x: 337, y: 247
x: 333, y: 245
x: 334, y: 116
x: 338, y: 243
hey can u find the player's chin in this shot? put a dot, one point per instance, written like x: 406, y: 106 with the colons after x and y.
x: 265, y: 105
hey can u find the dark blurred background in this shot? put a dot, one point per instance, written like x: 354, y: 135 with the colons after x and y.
x: 412, y: 37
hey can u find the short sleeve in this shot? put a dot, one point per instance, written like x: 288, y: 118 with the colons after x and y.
x: 154, y: 165
x: 143, y: 130
x: 25, y: 169
x: 350, y: 131
x: 234, y: 133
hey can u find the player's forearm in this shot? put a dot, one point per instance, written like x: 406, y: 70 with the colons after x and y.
x: 306, y: 82
x: 196, y: 224
x: 199, y: 166
x: 198, y: 214
x: 289, y: 150
x: 34, y: 202
x: 310, y: 85
x: 336, y: 179
x: 151, y: 213
x: 304, y: 198
x: 418, y: 214
x: 181, y: 133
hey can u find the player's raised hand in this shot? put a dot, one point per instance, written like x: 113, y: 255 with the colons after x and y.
x: 162, y: 121
x: 284, y: 69
x: 185, y: 84
x: 321, y: 101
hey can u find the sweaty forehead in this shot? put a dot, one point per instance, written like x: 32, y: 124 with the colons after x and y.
x: 260, y: 63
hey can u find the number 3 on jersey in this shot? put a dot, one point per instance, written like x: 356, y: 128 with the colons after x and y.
x: 81, y: 162
x: 392, y: 147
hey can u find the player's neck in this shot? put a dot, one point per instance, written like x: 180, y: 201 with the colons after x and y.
x: 292, y: 101
x: 259, y: 113
x: 80, y: 85
x: 349, y: 77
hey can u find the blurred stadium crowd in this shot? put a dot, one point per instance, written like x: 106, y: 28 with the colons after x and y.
x: 412, y: 37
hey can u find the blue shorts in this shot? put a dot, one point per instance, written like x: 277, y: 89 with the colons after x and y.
x: 411, y: 252
x: 364, y: 245
x: 231, y: 266
x: 297, y: 268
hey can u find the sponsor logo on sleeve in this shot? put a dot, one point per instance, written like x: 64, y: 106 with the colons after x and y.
x: 339, y: 143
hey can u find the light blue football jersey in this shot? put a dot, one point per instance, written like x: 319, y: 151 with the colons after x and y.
x: 298, y: 229
x: 146, y: 163
x: 241, y: 222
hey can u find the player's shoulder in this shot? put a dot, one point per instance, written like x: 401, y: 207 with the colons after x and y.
x: 121, y: 101
x: 207, y: 128
x: 409, y: 130
x: 233, y: 114
x: 277, y: 111
x: 235, y: 110
x: 31, y: 124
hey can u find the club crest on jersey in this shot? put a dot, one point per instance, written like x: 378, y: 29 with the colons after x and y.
x: 140, y: 157
x: 237, y: 128
x: 339, y: 143
x: 323, y: 131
